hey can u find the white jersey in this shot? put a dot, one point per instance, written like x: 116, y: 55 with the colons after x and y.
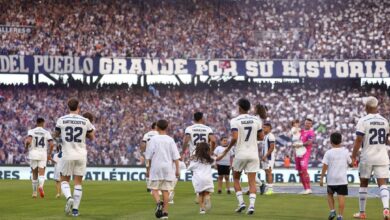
x: 146, y: 138
x: 247, y: 127
x: 337, y: 160
x: 374, y: 128
x: 198, y: 133
x: 39, y: 143
x: 162, y: 151
x: 73, y: 129
x: 268, y: 140
x: 225, y: 161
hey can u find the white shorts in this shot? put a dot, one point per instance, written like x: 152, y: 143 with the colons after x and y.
x: 37, y: 163
x: 73, y: 167
x: 269, y: 164
x: 247, y: 165
x: 379, y: 171
x: 57, y: 171
x: 162, y: 185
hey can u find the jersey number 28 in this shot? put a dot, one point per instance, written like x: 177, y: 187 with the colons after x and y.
x: 380, y: 133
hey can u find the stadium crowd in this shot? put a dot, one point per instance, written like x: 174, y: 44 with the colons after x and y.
x: 249, y: 29
x: 123, y: 114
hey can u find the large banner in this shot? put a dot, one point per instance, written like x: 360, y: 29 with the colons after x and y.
x: 139, y: 174
x: 145, y: 66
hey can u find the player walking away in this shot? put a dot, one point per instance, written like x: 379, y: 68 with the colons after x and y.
x: 202, y: 179
x: 336, y: 162
x: 268, y: 156
x: 246, y: 131
x: 196, y: 133
x: 163, y: 157
x: 301, y: 162
x: 223, y: 165
x: 73, y: 130
x: 57, y: 159
x: 144, y: 144
x: 37, y: 141
x: 372, y: 132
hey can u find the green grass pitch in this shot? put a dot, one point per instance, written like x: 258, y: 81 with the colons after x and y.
x: 129, y: 200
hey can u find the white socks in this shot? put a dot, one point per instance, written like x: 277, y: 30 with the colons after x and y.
x: 362, y: 198
x: 239, y: 197
x: 34, y: 185
x: 41, y: 180
x: 384, y: 192
x: 252, y: 199
x: 77, y: 194
x: 66, y: 189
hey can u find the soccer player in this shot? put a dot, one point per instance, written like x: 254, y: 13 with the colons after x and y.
x: 196, y: 133
x: 372, y: 133
x: 37, y: 141
x: 336, y: 162
x: 268, y: 156
x: 302, y: 162
x: 246, y: 131
x: 144, y: 144
x: 163, y: 156
x: 223, y: 165
x: 73, y: 130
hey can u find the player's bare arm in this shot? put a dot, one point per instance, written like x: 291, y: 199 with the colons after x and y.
x: 143, y: 146
x: 356, y: 147
x: 213, y: 142
x: 91, y: 135
x: 28, y: 141
x: 51, y: 147
x: 186, y: 144
x: 233, y: 142
x: 324, y: 169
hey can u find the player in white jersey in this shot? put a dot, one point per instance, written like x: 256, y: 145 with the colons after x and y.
x: 197, y: 133
x: 372, y: 133
x: 246, y: 131
x: 144, y: 144
x: 268, y: 155
x: 73, y: 129
x: 37, y: 142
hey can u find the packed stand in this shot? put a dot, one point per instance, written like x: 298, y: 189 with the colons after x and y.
x: 262, y: 29
x: 123, y: 114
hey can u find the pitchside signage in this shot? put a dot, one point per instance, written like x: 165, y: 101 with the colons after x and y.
x: 146, y: 66
x: 139, y: 174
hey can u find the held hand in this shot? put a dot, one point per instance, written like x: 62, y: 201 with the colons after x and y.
x: 49, y: 158
x: 264, y: 158
x: 321, y: 183
x: 177, y: 174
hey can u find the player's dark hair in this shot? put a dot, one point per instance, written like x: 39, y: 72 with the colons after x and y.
x: 198, y: 116
x: 202, y: 153
x: 267, y: 123
x: 154, y: 124
x: 222, y: 137
x: 335, y: 138
x: 73, y: 104
x: 40, y: 120
x: 162, y: 124
x: 244, y: 104
x: 294, y: 121
x: 89, y: 116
